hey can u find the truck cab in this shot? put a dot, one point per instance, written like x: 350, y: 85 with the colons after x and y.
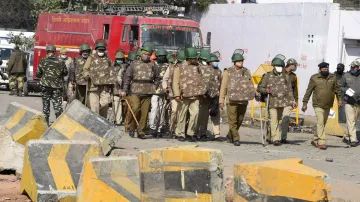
x: 31, y: 85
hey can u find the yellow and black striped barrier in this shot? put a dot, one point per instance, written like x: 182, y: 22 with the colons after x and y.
x: 109, y: 179
x: 280, y: 180
x: 23, y: 123
x: 52, y: 168
x: 181, y: 174
x: 78, y: 119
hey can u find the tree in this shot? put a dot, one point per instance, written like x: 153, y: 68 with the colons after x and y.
x: 348, y: 3
x: 40, y: 6
x: 25, y: 43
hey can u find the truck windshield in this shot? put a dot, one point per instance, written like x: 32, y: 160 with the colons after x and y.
x: 5, y: 53
x: 172, y: 37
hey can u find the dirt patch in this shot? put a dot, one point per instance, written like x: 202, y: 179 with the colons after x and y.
x: 10, y: 189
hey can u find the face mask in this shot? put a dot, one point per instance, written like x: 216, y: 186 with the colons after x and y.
x: 145, y: 58
x: 324, y: 73
x: 161, y: 59
x: 278, y: 69
x: 293, y: 69
x: 216, y: 64
x: 203, y: 62
x: 101, y: 54
x: 63, y: 56
x: 339, y: 70
x: 119, y: 62
x: 85, y: 56
x: 354, y: 72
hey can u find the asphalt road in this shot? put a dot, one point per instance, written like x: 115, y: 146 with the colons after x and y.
x: 344, y: 171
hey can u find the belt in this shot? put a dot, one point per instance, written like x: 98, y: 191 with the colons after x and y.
x: 142, y: 81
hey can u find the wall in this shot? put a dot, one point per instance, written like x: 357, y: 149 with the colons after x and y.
x: 297, y: 30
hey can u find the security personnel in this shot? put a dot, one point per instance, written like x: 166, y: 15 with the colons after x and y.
x: 99, y: 73
x: 237, y: 89
x: 324, y: 87
x: 131, y: 57
x: 339, y: 73
x: 278, y: 86
x: 188, y: 89
x: 69, y: 65
x: 51, y: 71
x: 210, y: 105
x: 17, y: 70
x: 157, y: 113
x: 290, y: 68
x: 350, y: 84
x: 167, y: 84
x: 141, y: 80
x: 76, y: 82
x: 119, y: 69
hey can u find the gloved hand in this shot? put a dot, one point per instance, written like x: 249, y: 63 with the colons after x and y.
x: 350, y: 92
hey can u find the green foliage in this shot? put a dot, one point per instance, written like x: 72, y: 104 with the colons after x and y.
x: 41, y: 6
x: 25, y: 43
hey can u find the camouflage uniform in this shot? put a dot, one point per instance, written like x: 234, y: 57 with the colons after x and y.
x: 188, y: 85
x: 141, y: 79
x: 281, y: 96
x: 69, y: 65
x: 102, y: 79
x: 158, y: 102
x: 76, y: 80
x: 237, y: 89
x: 211, y: 78
x: 51, y: 71
x: 17, y: 71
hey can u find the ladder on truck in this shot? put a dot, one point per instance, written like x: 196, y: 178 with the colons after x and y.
x: 143, y: 8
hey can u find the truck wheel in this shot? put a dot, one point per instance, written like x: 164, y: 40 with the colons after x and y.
x: 25, y: 89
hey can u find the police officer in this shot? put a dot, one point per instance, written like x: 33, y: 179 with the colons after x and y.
x: 51, y: 71
x: 210, y: 105
x: 131, y: 57
x: 69, y: 65
x: 237, y: 89
x: 324, y: 87
x: 350, y: 84
x: 188, y: 89
x: 77, y: 83
x: 277, y: 85
x: 119, y: 69
x: 289, y: 69
x: 167, y: 84
x: 141, y: 80
x: 157, y: 113
x: 17, y: 70
x: 339, y: 73
x: 100, y: 75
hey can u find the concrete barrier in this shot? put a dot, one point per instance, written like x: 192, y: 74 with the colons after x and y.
x: 181, y: 174
x: 280, y: 181
x: 109, y: 179
x: 23, y: 123
x: 52, y: 168
x: 78, y: 118
x: 17, y: 126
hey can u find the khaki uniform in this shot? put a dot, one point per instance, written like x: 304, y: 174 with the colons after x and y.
x: 76, y: 80
x: 324, y: 91
x: 189, y: 86
x: 140, y: 80
x: 17, y: 70
x: 237, y: 89
x: 119, y: 70
x: 167, y: 83
x: 211, y: 79
x: 352, y: 106
x: 288, y: 109
x: 102, y: 80
x: 281, y: 97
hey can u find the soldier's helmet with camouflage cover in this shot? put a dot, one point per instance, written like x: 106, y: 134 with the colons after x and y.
x: 138, y: 52
x: 191, y: 53
x: 181, y: 55
x: 147, y: 48
x: 205, y: 54
x: 119, y: 55
x: 85, y: 47
x: 237, y: 57
x: 132, y: 55
x: 50, y: 48
x: 278, y: 62
x: 291, y: 61
x: 170, y: 58
x: 100, y: 45
x: 161, y: 52
x: 213, y: 58
x: 355, y: 63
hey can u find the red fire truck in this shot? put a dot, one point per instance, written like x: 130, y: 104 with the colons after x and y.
x: 122, y: 26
